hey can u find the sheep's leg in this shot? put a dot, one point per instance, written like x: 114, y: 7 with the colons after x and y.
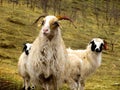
x: 27, y: 83
x: 82, y: 82
x: 73, y: 85
x: 76, y: 86
x: 79, y: 86
x: 47, y: 87
x: 23, y: 88
x: 82, y: 88
x: 55, y: 84
x: 33, y: 87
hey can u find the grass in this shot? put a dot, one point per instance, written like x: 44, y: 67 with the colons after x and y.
x: 16, y: 29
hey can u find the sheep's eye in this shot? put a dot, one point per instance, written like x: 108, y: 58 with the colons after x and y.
x: 56, y: 24
x: 42, y: 22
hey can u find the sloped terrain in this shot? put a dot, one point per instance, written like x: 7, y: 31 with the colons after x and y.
x: 16, y: 28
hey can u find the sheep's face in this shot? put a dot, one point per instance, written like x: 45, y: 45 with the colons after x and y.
x: 27, y: 48
x: 49, y: 26
x: 97, y: 45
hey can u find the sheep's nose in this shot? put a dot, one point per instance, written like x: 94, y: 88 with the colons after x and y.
x: 45, y: 30
x: 27, y: 52
x: 98, y: 50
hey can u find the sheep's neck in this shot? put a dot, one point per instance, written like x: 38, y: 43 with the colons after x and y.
x: 95, y: 58
x: 50, y: 37
x: 92, y: 63
x: 50, y: 54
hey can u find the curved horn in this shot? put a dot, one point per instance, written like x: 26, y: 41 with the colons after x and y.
x: 42, y: 16
x: 65, y: 18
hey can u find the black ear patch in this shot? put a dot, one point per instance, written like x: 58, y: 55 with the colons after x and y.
x: 93, y: 46
x: 25, y: 49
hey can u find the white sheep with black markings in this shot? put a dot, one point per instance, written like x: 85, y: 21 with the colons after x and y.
x: 48, y: 55
x: 22, y: 63
x: 85, y: 62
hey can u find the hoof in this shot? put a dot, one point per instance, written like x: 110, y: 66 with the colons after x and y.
x: 32, y: 88
x: 23, y: 88
x: 29, y: 88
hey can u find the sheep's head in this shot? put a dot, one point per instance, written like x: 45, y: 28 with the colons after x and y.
x: 26, y: 48
x: 50, y: 25
x: 98, y: 45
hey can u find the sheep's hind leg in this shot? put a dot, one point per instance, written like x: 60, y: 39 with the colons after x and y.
x: 27, y: 83
x: 32, y: 86
x: 23, y: 88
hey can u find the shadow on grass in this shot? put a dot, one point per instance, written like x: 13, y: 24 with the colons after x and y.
x: 8, y: 85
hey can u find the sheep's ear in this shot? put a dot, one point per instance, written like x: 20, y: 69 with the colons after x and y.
x: 105, y: 45
x: 91, y: 42
x: 24, y: 44
x: 24, y: 47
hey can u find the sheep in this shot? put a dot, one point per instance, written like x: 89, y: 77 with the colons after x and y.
x: 84, y: 62
x: 22, y: 63
x: 73, y: 68
x: 26, y: 48
x: 48, y: 56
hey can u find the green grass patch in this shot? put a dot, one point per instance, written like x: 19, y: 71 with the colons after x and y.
x: 16, y: 28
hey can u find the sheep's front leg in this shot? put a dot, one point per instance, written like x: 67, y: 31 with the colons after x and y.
x: 78, y: 86
x: 55, y: 83
x: 47, y: 87
x: 82, y: 82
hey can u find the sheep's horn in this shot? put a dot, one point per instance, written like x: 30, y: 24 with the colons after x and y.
x: 65, y: 18
x: 105, y: 45
x: 42, y: 16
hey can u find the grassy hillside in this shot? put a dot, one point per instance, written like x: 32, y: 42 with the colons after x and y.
x: 16, y: 29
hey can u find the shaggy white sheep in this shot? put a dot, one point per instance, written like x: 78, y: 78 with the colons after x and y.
x: 74, y: 69
x: 22, y: 64
x: 85, y: 62
x: 27, y: 47
x: 48, y: 56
